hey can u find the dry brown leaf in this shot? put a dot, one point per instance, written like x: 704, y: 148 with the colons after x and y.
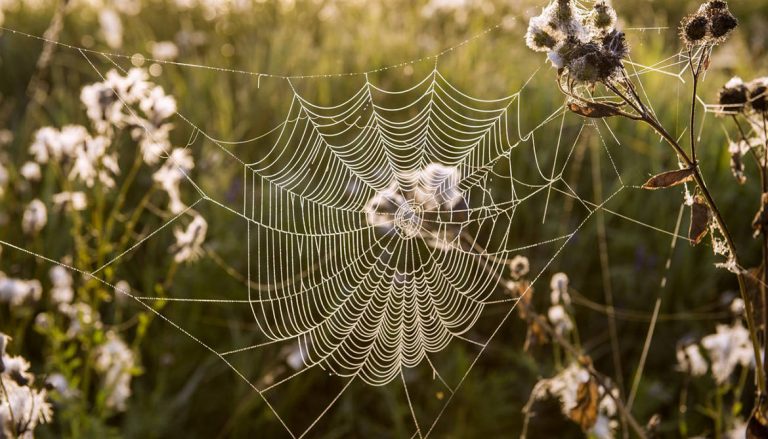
x: 669, y: 179
x: 585, y: 412
x: 593, y: 109
x: 700, y: 217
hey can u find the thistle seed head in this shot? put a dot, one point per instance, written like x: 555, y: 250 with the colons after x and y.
x: 603, y: 16
x: 723, y: 24
x: 758, y: 89
x: 694, y: 29
x: 733, y: 96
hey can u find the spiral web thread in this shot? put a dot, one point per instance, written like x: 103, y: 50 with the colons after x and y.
x: 362, y: 301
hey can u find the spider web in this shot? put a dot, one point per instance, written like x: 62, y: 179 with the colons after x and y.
x: 367, y: 302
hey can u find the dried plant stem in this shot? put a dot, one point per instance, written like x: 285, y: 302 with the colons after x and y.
x: 650, y: 119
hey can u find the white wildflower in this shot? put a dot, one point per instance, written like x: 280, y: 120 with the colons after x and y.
x: 175, y: 168
x: 81, y: 317
x: 102, y: 106
x: 19, y: 291
x: 31, y: 171
x: 92, y: 163
x: 34, y: 218
x: 62, y: 291
x: 50, y: 143
x: 17, y: 369
x: 133, y: 87
x: 559, y: 281
x: 59, y: 383
x: 559, y: 286
x: 111, y: 27
x: 604, y: 428
x: 560, y: 319
x: 29, y: 408
x: 153, y: 142
x: 690, y: 360
x: 189, y: 242
x: 165, y: 50
x: 76, y: 200
x: 728, y: 347
x: 115, y: 361
x: 519, y: 266
x: 122, y: 290
x: 296, y: 358
x: 43, y: 321
x: 22, y: 408
x: 70, y: 138
x: 737, y: 306
x: 158, y: 106
x: 42, y: 143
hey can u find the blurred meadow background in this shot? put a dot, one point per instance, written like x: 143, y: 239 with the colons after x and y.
x: 115, y: 369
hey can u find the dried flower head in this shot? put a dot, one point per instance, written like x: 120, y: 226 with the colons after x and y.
x: 723, y: 23
x: 711, y: 24
x: 758, y: 94
x: 541, y: 37
x: 603, y: 16
x: 519, y: 267
x: 694, y: 29
x: 582, y: 44
x: 733, y: 96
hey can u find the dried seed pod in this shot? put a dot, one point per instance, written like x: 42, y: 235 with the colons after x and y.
x: 593, y: 109
x: 669, y: 179
x: 700, y: 217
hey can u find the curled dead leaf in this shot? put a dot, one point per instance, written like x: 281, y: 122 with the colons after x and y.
x: 587, y: 398
x: 700, y: 217
x: 594, y: 109
x: 669, y: 179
